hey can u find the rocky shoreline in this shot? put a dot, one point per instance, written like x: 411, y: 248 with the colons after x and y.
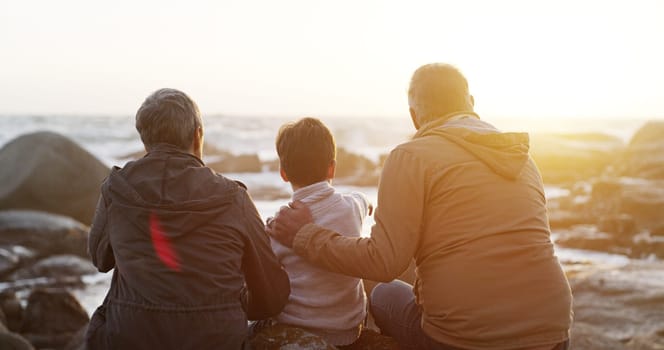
x: 612, y: 201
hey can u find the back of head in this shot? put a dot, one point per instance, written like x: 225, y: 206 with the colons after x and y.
x: 438, y: 90
x: 306, y: 149
x: 168, y: 116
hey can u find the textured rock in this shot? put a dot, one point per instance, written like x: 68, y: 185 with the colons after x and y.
x: 47, y: 234
x: 283, y: 337
x: 49, y: 172
x: 52, y: 318
x: 12, y: 310
x: 13, y: 341
x: 13, y: 256
x: 351, y: 164
x: 56, y: 266
x: 619, y: 308
x: 644, y: 156
x: 77, y: 342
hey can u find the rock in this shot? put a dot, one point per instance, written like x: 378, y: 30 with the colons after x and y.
x: 621, y: 226
x: 283, y: 337
x: 644, y: 156
x: 77, y: 342
x: 587, y: 337
x: 12, y: 310
x: 13, y: 341
x: 56, y: 266
x: 47, y: 234
x: 560, y: 219
x: 352, y: 165
x: 243, y: 163
x: 568, y: 158
x: 13, y: 256
x: 273, y: 336
x: 49, y: 172
x: 372, y: 340
x: 642, y: 199
x: 52, y: 318
x: 619, y: 308
x: 590, y: 237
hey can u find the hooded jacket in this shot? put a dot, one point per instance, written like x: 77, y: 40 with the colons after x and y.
x: 467, y: 203
x: 191, y: 257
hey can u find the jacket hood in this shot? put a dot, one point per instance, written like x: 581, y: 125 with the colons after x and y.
x: 504, y: 153
x: 170, y: 191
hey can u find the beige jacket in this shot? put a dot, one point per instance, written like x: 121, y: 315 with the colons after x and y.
x: 467, y: 202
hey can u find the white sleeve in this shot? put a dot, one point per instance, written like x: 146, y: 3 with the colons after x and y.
x: 363, y: 203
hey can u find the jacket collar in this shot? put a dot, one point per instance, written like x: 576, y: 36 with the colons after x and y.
x: 165, y: 148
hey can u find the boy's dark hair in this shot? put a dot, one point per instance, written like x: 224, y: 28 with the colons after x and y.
x: 305, y: 148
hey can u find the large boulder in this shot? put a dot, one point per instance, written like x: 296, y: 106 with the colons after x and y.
x: 52, y: 318
x: 644, y: 156
x: 47, y: 234
x: 49, y: 172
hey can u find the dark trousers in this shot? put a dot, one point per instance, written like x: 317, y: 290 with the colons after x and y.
x: 397, y: 315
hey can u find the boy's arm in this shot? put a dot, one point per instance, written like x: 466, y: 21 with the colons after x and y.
x: 365, y: 205
x: 99, y: 245
x: 268, y: 286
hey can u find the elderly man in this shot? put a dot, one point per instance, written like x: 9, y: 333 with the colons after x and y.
x: 191, y: 257
x: 467, y: 203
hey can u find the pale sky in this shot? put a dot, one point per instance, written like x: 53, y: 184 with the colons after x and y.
x: 535, y: 59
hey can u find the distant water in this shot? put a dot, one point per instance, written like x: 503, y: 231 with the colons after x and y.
x: 112, y: 138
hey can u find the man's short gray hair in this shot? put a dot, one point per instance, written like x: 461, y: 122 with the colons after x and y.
x: 437, y: 90
x: 168, y: 116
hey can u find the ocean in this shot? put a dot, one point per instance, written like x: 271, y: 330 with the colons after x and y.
x: 113, y: 138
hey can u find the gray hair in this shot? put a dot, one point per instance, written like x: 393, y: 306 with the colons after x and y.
x: 438, y: 90
x: 168, y: 116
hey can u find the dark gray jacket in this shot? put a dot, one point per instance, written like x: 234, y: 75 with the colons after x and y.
x: 191, y: 257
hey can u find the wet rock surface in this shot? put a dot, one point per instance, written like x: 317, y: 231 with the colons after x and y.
x: 619, y: 308
x: 45, y: 233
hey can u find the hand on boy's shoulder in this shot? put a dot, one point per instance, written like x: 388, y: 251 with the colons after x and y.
x: 288, y: 221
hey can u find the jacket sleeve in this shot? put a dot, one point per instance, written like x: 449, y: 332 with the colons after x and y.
x: 267, y: 283
x: 99, y: 245
x: 394, y: 237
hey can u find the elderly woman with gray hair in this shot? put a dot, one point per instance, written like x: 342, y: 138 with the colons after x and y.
x: 190, y: 256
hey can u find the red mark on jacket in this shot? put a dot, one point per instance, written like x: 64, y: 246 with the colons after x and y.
x: 162, y: 245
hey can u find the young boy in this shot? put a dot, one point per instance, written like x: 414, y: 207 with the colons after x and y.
x: 325, y: 303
